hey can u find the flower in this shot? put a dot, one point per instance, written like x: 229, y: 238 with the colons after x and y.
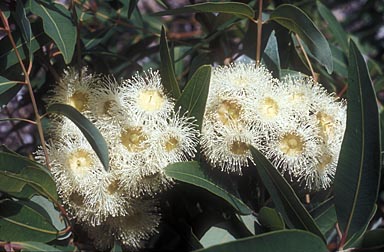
x: 146, y: 98
x: 75, y: 90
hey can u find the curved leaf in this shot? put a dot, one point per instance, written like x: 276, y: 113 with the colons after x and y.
x: 58, y: 25
x: 295, y: 20
x: 192, y: 173
x: 238, y: 9
x: 283, y: 196
x: 271, y: 56
x: 195, y: 94
x: 284, y: 240
x: 167, y: 71
x: 89, y: 130
x: 19, y: 222
x: 24, y: 25
x: 358, y: 170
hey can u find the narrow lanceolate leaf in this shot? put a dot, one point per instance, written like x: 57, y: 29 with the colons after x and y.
x: 89, y: 130
x: 131, y: 7
x: 195, y: 94
x: 8, y: 90
x: 24, y: 25
x: 271, y: 56
x: 334, y: 26
x: 282, y: 194
x: 167, y: 70
x: 358, y: 170
x: 295, y: 20
x: 283, y: 240
x: 238, y: 9
x: 20, y: 222
x: 192, y: 173
x: 58, y: 25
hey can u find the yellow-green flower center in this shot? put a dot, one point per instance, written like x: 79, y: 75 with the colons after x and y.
x: 291, y: 144
x: 171, y: 144
x: 229, y: 111
x: 76, y: 198
x: 80, y: 162
x: 133, y: 139
x: 113, y: 187
x: 150, y: 100
x: 108, y: 105
x: 268, y: 108
x: 79, y: 100
x: 238, y: 148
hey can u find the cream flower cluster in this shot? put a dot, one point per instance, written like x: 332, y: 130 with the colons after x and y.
x: 144, y: 134
x: 294, y: 122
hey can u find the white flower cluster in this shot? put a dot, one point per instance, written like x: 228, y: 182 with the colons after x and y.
x: 143, y: 134
x: 294, y: 122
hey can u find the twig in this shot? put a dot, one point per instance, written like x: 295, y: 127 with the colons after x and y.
x: 28, y: 83
x: 306, y: 57
x: 17, y: 119
x: 259, y: 32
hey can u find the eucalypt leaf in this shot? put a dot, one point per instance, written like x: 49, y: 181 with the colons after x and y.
x: 89, y: 130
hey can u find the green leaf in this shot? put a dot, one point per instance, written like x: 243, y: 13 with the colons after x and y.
x: 195, y: 94
x: 34, y: 246
x: 19, y: 222
x: 283, y: 240
x: 192, y: 173
x: 167, y: 71
x: 334, y: 26
x: 373, y: 240
x: 295, y: 20
x: 238, y: 9
x: 339, y: 61
x: 8, y: 90
x: 131, y: 7
x: 326, y: 220
x: 58, y: 25
x: 7, y: 53
x: 24, y: 25
x: 282, y: 194
x: 17, y: 171
x: 271, y: 219
x: 89, y: 130
x: 271, y: 56
x: 358, y: 171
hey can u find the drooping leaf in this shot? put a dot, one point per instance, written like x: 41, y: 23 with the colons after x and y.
x: 282, y: 194
x: 340, y: 63
x: 195, y: 94
x: 192, y: 173
x: 271, y: 219
x: 283, y: 240
x: 8, y: 90
x: 131, y: 7
x: 57, y: 23
x: 295, y: 20
x: 24, y: 25
x: 19, y: 222
x: 334, y: 26
x: 89, y: 130
x: 167, y: 70
x: 271, y: 56
x: 358, y: 170
x: 238, y: 9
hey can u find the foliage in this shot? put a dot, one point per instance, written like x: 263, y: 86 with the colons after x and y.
x: 260, y: 210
